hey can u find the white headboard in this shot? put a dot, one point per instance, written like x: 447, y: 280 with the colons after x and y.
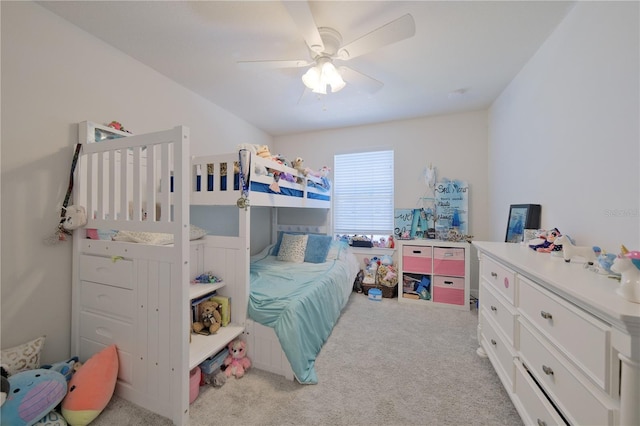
x: 310, y: 229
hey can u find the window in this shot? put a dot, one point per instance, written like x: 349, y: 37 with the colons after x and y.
x: 363, y: 193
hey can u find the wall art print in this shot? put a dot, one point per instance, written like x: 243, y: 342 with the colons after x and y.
x: 452, y: 206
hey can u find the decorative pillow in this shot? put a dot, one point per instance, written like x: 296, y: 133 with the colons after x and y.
x: 91, y: 387
x: 22, y: 357
x: 292, y: 248
x: 196, y: 232
x: 276, y: 247
x: 156, y: 238
x: 317, y: 248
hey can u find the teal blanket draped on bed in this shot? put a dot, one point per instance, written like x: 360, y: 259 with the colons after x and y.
x: 301, y: 302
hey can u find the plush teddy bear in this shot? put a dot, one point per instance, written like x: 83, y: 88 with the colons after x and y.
x: 237, y: 362
x: 298, y: 164
x: 210, y: 318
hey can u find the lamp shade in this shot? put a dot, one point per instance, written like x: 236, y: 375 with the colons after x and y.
x: 325, y: 73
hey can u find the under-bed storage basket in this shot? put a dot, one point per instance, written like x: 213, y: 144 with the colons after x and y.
x: 387, y: 292
x: 214, y: 363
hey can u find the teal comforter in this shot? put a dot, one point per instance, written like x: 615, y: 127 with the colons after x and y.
x: 302, y: 303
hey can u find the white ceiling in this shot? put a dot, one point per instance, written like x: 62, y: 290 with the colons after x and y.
x: 475, y: 47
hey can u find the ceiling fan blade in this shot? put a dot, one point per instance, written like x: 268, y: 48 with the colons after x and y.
x: 400, y: 29
x: 301, y: 14
x: 295, y: 63
x: 359, y: 80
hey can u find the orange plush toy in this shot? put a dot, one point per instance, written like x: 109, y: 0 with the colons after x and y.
x: 91, y: 387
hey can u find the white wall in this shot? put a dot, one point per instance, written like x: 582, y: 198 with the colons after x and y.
x: 55, y: 75
x: 455, y: 144
x: 565, y: 133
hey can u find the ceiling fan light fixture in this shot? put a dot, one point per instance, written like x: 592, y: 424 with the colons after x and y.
x: 325, y: 73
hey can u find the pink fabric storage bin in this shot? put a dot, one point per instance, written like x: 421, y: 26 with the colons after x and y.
x: 194, y: 384
x: 448, y: 261
x: 448, y: 290
x: 416, y: 259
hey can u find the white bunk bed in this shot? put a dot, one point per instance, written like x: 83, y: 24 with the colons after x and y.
x: 138, y: 295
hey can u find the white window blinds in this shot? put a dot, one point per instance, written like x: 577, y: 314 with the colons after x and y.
x: 363, y: 193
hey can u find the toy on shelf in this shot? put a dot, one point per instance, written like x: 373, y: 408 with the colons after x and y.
x: 210, y: 318
x: 628, y: 266
x: 546, y: 242
x: 207, y: 278
x: 570, y: 251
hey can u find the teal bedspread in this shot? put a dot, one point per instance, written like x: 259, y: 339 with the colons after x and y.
x: 302, y: 303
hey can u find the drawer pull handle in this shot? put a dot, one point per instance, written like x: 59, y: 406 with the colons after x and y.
x: 417, y: 251
x: 547, y: 370
x: 448, y: 254
x: 493, y: 308
x: 494, y: 275
x: 546, y: 315
x: 448, y: 283
x: 542, y: 422
x: 493, y: 342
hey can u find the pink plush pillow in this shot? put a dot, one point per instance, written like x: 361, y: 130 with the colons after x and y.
x: 91, y: 387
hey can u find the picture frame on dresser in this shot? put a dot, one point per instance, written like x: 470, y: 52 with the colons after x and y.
x: 521, y: 217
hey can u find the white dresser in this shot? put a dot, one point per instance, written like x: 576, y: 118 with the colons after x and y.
x: 564, y: 344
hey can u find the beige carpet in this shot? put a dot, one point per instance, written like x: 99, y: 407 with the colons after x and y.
x: 384, y: 364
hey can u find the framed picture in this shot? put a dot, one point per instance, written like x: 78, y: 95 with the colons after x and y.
x: 521, y: 217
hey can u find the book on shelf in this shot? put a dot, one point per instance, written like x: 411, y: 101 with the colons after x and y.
x: 225, y: 308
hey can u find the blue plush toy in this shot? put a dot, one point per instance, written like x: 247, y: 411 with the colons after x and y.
x: 32, y: 395
x: 65, y: 368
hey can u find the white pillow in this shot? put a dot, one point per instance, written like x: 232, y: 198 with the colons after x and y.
x: 22, y: 357
x: 292, y: 248
x: 156, y: 238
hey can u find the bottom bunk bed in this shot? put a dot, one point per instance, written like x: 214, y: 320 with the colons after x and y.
x: 294, y: 304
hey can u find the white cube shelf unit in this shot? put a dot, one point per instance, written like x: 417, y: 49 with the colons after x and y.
x: 434, y: 272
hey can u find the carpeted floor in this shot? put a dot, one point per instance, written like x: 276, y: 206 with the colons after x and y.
x: 385, y: 363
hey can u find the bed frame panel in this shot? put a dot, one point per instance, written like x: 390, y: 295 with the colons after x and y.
x: 116, y: 180
x: 147, y: 183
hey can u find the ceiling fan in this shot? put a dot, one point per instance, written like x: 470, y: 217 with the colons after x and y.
x: 325, y: 47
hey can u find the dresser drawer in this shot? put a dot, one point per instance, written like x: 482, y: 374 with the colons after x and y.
x: 107, y: 331
x: 564, y: 384
x: 496, y: 308
x: 584, y: 339
x: 416, y: 259
x: 499, y: 351
x: 538, y: 409
x: 106, y: 299
x: 448, y: 261
x: 501, y: 278
x: 104, y: 270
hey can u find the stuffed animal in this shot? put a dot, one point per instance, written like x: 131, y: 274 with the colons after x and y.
x: 210, y: 318
x: 66, y: 368
x: 237, y: 362
x: 298, y: 164
x: 4, y: 385
x: 74, y: 218
x: 569, y: 250
x: 548, y: 243
x: 253, y: 148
